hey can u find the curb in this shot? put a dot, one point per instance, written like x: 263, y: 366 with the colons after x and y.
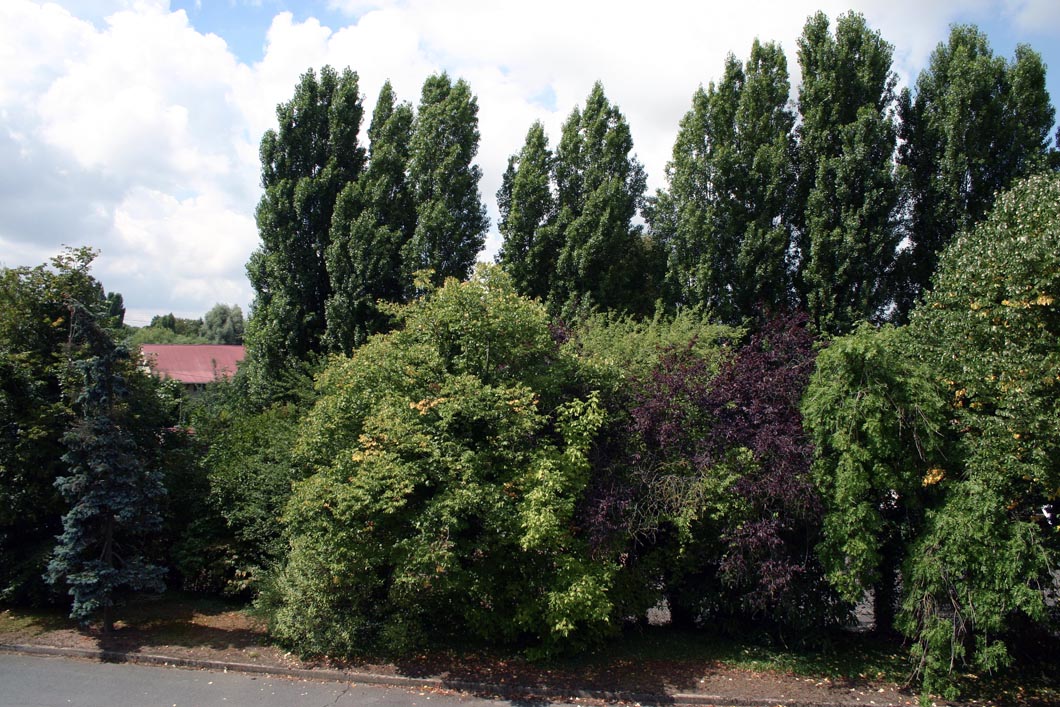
x: 478, y: 688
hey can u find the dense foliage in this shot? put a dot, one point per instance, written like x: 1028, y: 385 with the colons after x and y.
x: 343, y: 228
x: 847, y: 187
x: 724, y: 489
x: 80, y: 453
x: 448, y: 463
x: 527, y: 458
x: 975, y: 123
x: 877, y: 417
x: 451, y: 221
x: 374, y: 219
x: 990, y: 329
x: 937, y: 447
x: 580, y: 246
x: 36, y: 408
x: 725, y: 219
x: 528, y: 212
x: 305, y: 164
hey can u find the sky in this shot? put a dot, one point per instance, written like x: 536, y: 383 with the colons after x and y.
x: 133, y: 126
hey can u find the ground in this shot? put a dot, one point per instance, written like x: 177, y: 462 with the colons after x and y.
x: 656, y: 662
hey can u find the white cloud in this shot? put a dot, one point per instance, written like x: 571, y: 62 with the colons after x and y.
x: 124, y: 127
x: 146, y: 99
x: 34, y: 43
x: 1034, y: 15
x: 124, y: 135
x: 196, y: 246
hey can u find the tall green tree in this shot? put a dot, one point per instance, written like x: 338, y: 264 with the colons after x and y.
x: 305, y: 164
x: 35, y: 411
x: 112, y: 486
x: 725, y: 218
x: 528, y: 210
x: 976, y: 123
x: 604, y: 259
x: 374, y: 219
x: 847, y: 186
x: 451, y: 220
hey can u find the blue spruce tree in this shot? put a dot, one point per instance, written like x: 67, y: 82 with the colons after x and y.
x: 112, y: 491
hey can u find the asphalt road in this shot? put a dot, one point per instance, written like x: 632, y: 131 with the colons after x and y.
x: 31, y: 681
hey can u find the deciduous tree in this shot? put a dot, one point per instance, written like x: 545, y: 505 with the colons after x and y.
x: 223, y: 324
x: 604, y: 259
x: 527, y: 205
x: 451, y: 221
x: 878, y: 419
x: 846, y: 141
x: 305, y: 164
x: 975, y: 123
x: 989, y: 330
x: 725, y: 219
x: 36, y: 409
x: 374, y: 219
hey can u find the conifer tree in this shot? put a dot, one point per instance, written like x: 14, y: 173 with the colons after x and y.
x: 35, y: 411
x: 977, y: 122
x: 528, y: 210
x: 374, y: 218
x: 112, y: 490
x: 604, y: 259
x: 847, y: 237
x: 305, y: 164
x: 451, y: 221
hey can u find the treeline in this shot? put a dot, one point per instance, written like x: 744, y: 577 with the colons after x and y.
x: 825, y: 364
x: 223, y: 324
x: 837, y: 206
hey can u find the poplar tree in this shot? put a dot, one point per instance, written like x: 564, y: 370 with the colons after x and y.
x: 725, y: 216
x: 451, y: 221
x: 846, y: 142
x: 305, y: 164
x: 374, y: 219
x: 976, y: 123
x: 600, y: 187
x: 528, y: 211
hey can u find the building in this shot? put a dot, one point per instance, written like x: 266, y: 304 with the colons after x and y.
x: 194, y: 365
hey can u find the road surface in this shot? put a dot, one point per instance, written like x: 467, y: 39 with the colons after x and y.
x: 59, y: 682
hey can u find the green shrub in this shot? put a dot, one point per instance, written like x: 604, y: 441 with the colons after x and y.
x: 448, y: 465
x: 990, y: 329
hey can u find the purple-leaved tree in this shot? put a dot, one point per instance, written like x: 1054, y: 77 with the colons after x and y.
x: 722, y: 494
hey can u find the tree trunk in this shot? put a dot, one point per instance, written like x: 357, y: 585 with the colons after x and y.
x: 885, y: 593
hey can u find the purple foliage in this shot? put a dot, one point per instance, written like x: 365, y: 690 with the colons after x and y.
x: 666, y: 407
x: 684, y: 415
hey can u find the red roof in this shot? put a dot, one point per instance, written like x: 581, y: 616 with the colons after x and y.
x: 193, y: 363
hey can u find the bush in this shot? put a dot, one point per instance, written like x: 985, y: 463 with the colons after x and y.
x: 990, y: 329
x: 721, y: 492
x: 448, y: 465
x: 877, y: 418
